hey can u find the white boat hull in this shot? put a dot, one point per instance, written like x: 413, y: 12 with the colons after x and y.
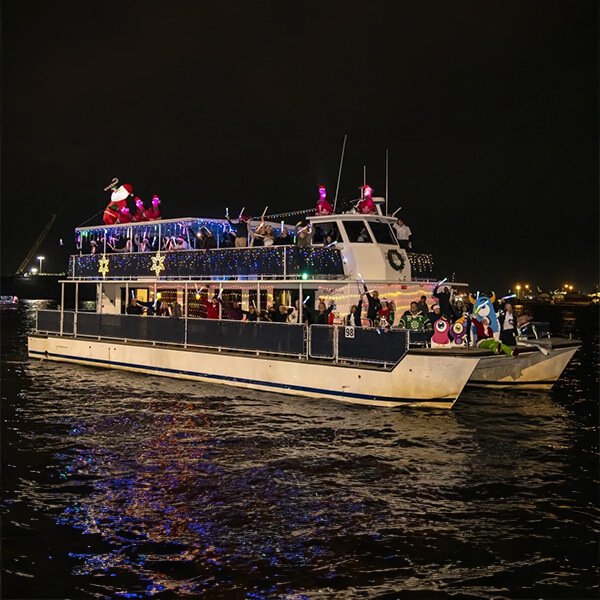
x: 532, y: 369
x: 432, y: 379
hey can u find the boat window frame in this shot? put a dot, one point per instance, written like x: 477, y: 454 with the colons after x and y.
x: 393, y: 241
x: 365, y: 226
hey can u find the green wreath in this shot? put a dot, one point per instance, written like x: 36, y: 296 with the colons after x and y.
x: 395, y: 259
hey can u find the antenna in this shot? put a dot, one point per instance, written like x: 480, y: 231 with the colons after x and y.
x: 387, y: 170
x: 340, y: 173
x: 364, y: 175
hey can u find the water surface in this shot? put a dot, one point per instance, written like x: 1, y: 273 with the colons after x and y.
x: 118, y: 484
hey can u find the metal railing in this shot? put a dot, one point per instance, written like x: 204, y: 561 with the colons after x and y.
x: 323, y: 342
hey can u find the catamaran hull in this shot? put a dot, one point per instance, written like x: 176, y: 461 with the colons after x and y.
x: 434, y: 380
x: 531, y: 370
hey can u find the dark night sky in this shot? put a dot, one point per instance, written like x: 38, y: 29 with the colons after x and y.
x: 489, y: 111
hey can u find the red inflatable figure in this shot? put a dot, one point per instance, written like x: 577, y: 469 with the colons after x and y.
x: 139, y: 215
x: 124, y: 216
x: 118, y: 200
x: 366, y: 205
x: 153, y: 213
x: 323, y: 206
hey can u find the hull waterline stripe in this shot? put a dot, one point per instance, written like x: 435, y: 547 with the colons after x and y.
x: 299, y: 388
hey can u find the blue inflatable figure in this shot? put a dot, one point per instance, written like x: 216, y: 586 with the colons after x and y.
x: 484, y: 307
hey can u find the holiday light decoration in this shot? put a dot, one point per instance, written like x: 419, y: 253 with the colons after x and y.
x: 273, y: 261
x: 421, y: 264
x: 103, y: 265
x: 158, y: 263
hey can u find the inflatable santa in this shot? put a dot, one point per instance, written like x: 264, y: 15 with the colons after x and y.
x: 118, y: 201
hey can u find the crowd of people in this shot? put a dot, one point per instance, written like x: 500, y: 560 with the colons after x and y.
x: 237, y: 233
x: 379, y: 313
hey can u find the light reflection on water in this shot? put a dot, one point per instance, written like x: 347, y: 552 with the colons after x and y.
x: 140, y: 486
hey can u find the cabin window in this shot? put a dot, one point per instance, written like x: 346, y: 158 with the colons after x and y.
x: 326, y: 233
x: 383, y: 233
x: 357, y: 232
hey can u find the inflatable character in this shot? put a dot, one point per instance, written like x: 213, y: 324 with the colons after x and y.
x: 366, y: 205
x: 124, y: 216
x: 440, y: 333
x: 484, y: 307
x: 323, y: 206
x: 153, y: 213
x: 118, y: 200
x: 139, y: 215
x: 458, y: 332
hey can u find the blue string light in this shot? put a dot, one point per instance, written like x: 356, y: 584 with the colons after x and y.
x: 225, y: 262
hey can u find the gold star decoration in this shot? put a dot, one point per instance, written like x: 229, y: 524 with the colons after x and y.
x: 103, y: 265
x: 158, y: 263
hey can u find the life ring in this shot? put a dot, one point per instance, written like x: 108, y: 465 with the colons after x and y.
x: 396, y: 260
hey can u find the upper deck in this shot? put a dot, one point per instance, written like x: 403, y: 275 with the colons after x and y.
x: 342, y: 246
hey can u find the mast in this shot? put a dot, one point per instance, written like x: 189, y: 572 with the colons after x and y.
x: 387, y: 170
x: 339, y: 173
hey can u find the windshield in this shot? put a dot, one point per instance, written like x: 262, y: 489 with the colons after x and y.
x: 383, y: 233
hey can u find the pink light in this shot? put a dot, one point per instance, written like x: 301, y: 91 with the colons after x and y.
x: 322, y: 192
x: 368, y: 191
x: 155, y: 200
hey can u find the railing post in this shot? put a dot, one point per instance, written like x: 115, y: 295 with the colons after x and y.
x: 62, y: 306
x: 285, y: 262
x: 76, y: 305
x: 307, y: 339
x: 185, y: 315
x: 336, y: 331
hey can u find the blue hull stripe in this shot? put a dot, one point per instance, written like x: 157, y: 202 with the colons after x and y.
x: 272, y: 384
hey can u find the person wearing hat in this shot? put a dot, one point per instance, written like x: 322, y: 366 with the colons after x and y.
x: 385, y: 315
x: 181, y: 244
x: 435, y: 314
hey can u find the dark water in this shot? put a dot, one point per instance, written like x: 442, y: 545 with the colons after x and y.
x: 123, y: 485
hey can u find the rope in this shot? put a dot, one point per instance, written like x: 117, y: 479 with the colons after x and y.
x: 98, y: 213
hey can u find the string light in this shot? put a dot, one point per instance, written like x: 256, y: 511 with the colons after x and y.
x: 421, y: 264
x: 224, y: 262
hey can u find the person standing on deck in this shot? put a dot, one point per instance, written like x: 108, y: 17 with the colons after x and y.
x: 443, y: 299
x: 403, y: 234
x: 241, y: 231
x: 508, y: 325
x: 353, y: 319
x: 374, y: 304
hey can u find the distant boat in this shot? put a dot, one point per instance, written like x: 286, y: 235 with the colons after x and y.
x: 9, y: 302
x: 572, y: 299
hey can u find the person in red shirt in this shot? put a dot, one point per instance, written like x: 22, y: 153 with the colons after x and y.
x: 212, y: 306
x: 385, y: 315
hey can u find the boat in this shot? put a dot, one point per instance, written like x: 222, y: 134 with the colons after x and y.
x: 9, y: 302
x: 363, y: 365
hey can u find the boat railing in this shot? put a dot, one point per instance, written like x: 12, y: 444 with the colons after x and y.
x: 352, y: 345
